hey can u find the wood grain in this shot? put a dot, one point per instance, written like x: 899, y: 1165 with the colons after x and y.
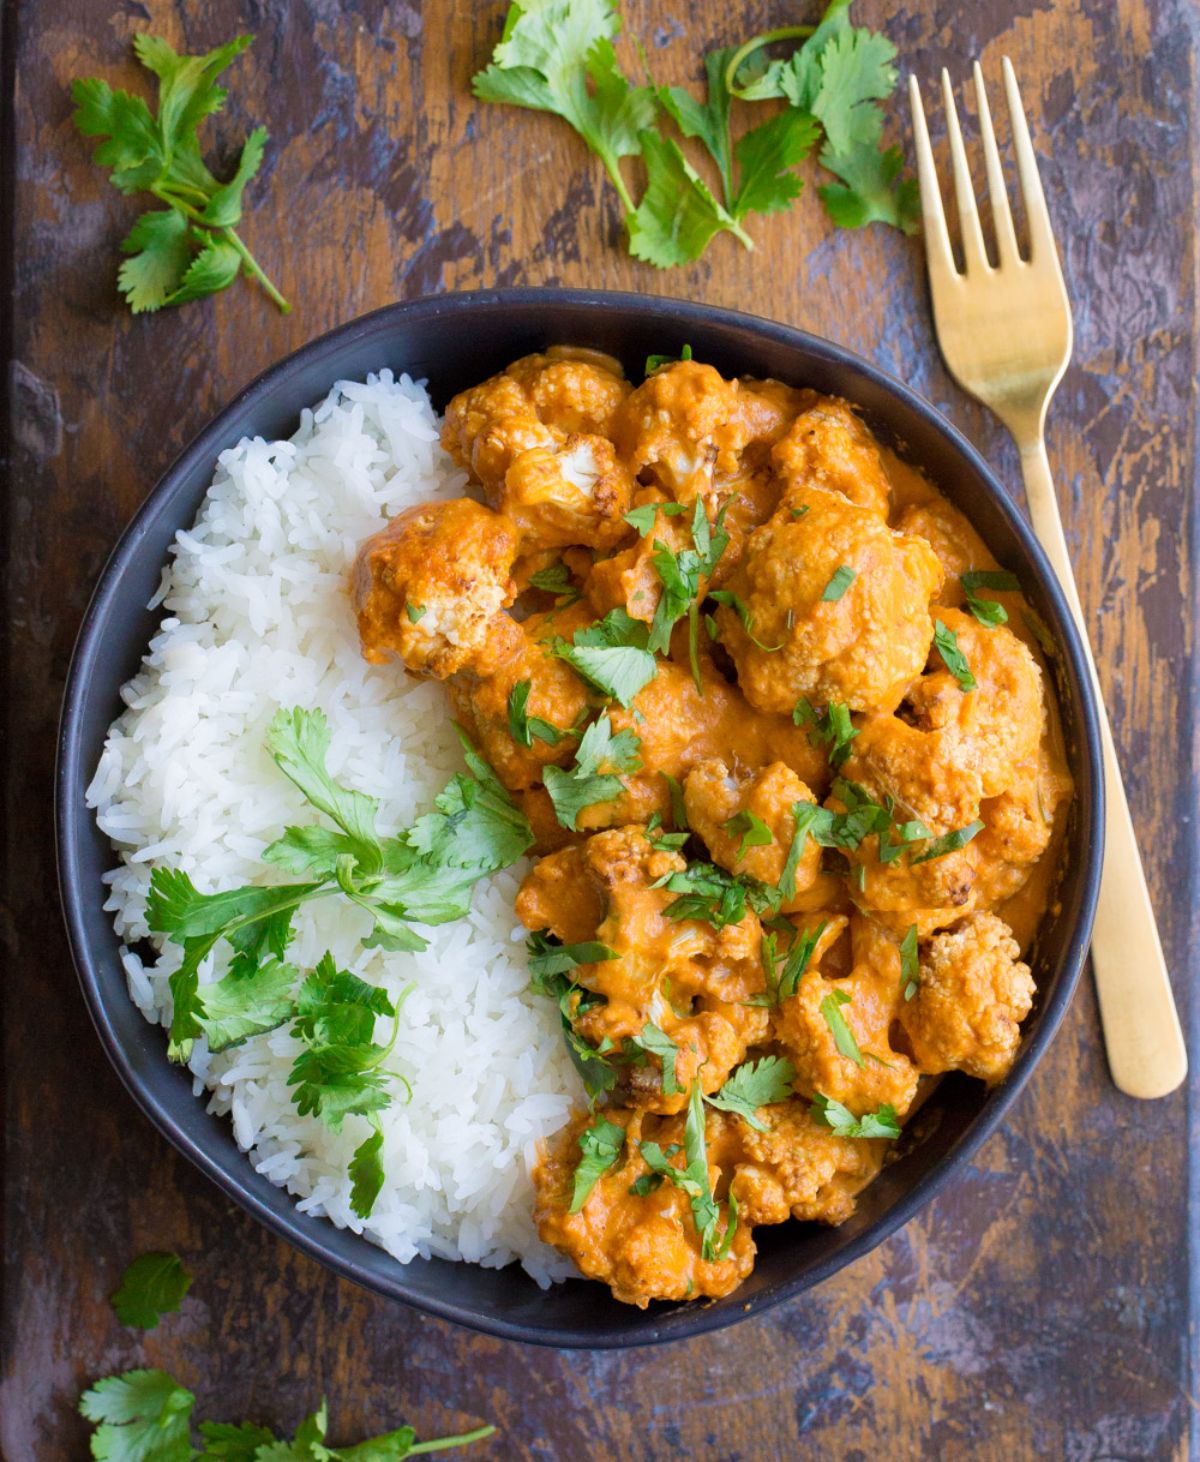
x: 1040, y: 1307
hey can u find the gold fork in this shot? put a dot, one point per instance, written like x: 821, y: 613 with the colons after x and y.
x: 1005, y: 334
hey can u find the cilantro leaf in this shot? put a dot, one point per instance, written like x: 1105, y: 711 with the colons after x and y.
x: 988, y: 612
x: 678, y: 215
x: 154, y: 1285
x: 692, y: 1179
x: 161, y: 250
x: 949, y: 842
x: 659, y: 1044
x: 612, y: 655
x: 557, y: 56
x: 655, y: 363
x: 601, y: 1145
x: 830, y: 1113
x: 189, y: 250
x: 843, y: 1036
x: 910, y: 969
x: 837, y: 586
x: 142, y: 1416
x: 299, y: 742
x: 585, y: 784
x: 247, y: 1003
x: 766, y: 156
x: 755, y: 1084
x: 366, y: 1173
x: 833, y: 728
x: 797, y: 961
x: 946, y: 642
x: 226, y: 1441
x: 708, y: 892
x: 871, y: 189
x: 548, y: 957
x: 732, y: 601
x: 476, y: 827
x: 708, y: 120
x: 855, y: 71
x: 754, y: 832
x: 554, y: 580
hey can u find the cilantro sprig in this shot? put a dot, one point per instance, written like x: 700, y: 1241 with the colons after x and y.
x: 424, y: 875
x: 692, y: 1179
x: 190, y: 248
x: 558, y: 56
x: 755, y: 1084
x: 550, y: 967
x: 146, y: 1416
x: 883, y: 1122
x: 154, y: 1285
x: 595, y: 776
x: 989, y: 612
x: 831, y: 728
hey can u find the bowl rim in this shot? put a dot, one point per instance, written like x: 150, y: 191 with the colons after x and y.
x: 69, y: 818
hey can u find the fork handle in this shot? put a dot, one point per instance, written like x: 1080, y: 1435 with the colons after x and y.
x: 1145, y: 1046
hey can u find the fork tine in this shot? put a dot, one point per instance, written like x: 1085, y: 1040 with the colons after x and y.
x: 938, y: 253
x: 1041, y: 235
x: 974, y: 251
x: 1006, y: 236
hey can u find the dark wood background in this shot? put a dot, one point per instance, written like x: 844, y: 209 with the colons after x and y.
x: 1040, y: 1307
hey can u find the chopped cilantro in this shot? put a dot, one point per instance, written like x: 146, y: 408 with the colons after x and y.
x: 755, y: 1084
x: 880, y: 1123
x: 659, y: 1044
x: 956, y: 662
x: 547, y: 957
x: 753, y: 831
x: 656, y: 362
x: 837, y: 586
x: 843, y: 1036
x: 949, y: 842
x: 988, y: 612
x: 586, y: 783
x: 601, y: 1145
x: 732, y: 601
x: 523, y: 727
x: 679, y: 817
x: 910, y: 972
x: 831, y: 728
x: 692, y: 1179
x: 709, y: 893
x: 612, y: 655
x: 415, y: 612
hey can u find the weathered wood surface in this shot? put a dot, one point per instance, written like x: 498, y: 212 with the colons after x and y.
x: 1039, y: 1308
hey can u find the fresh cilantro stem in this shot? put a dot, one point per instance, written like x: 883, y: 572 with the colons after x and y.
x: 253, y: 268
x: 439, y: 1444
x: 756, y: 43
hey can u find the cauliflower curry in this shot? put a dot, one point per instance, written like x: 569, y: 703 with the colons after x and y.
x: 779, y: 724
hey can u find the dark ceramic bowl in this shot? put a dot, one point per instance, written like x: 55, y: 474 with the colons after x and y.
x: 455, y: 341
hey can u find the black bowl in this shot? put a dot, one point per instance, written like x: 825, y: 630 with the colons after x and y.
x: 455, y: 341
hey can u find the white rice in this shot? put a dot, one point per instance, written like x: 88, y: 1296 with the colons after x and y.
x: 259, y: 618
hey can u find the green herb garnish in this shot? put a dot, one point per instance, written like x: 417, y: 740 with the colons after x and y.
x: 153, y: 1286
x: 692, y: 1179
x: 558, y: 56
x: 709, y: 893
x: 988, y: 612
x: 190, y: 248
x: 755, y: 1084
x: 146, y: 1416
x: 880, y: 1123
x: 594, y: 777
x: 523, y: 727
x: 956, y: 662
x: 837, y: 586
x: 831, y: 728
x: 601, y: 1145
x: 910, y: 970
x: 732, y: 601
x: 949, y: 842
x: 656, y: 362
x: 659, y: 1044
x: 612, y: 655
x: 753, y: 831
x: 843, y: 1036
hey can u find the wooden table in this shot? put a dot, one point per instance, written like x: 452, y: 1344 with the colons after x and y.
x: 1039, y: 1308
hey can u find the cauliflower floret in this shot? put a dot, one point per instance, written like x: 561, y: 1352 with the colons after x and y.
x: 683, y: 975
x: 866, y: 1000
x: 971, y: 998
x: 574, y: 493
x: 430, y: 590
x: 720, y: 802
x: 831, y: 605
x: 951, y: 536
x: 996, y: 726
x: 1018, y: 825
x: 539, y: 401
x: 828, y: 447
x: 799, y: 1168
x: 688, y: 430
x: 556, y: 702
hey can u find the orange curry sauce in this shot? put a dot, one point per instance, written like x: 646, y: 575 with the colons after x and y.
x: 805, y: 697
